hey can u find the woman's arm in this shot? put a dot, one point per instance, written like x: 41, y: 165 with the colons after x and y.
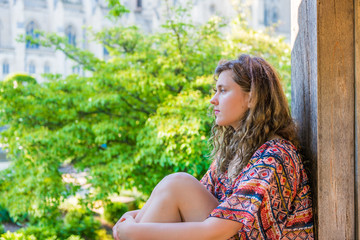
x: 210, y: 229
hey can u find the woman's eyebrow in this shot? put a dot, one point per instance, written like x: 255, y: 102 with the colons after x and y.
x: 220, y: 85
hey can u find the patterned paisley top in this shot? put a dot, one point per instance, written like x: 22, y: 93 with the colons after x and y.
x: 271, y: 196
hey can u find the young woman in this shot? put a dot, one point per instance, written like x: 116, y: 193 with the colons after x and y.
x: 256, y: 187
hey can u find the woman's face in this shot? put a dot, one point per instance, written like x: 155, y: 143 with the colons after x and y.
x: 230, y: 101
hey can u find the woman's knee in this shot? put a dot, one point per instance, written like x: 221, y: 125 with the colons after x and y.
x: 179, y: 179
x: 180, y: 176
x: 175, y: 181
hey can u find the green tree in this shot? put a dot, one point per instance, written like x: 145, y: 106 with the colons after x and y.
x: 140, y: 115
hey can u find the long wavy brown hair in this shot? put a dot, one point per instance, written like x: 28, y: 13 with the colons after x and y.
x: 268, y: 115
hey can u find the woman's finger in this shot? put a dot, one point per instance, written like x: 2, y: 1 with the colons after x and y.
x: 115, y: 233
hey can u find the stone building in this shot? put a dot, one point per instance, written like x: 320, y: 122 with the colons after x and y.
x: 68, y: 18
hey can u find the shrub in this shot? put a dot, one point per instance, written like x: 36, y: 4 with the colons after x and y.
x: 16, y: 236
x: 40, y: 232
x: 79, y: 222
x: 102, y: 235
x: 2, y: 229
x: 74, y: 237
x: 20, y: 78
x: 114, y: 210
x: 136, y: 204
x: 4, y: 215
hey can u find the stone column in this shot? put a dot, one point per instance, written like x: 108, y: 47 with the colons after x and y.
x: 58, y: 27
x: 19, y: 26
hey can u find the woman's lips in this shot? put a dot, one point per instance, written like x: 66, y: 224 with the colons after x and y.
x: 216, y: 112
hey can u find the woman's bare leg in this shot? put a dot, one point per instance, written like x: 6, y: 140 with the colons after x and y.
x: 178, y: 197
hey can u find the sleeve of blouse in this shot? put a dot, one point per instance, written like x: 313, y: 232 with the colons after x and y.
x: 251, y: 192
x: 209, y: 179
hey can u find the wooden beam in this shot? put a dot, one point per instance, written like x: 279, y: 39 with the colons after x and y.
x: 304, y: 83
x: 336, y: 115
x: 357, y: 119
x: 323, y: 80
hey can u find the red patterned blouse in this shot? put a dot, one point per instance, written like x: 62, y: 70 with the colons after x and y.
x: 271, y: 196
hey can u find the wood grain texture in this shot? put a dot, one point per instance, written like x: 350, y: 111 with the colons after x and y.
x: 323, y: 80
x: 304, y: 83
x: 357, y: 119
x: 336, y: 119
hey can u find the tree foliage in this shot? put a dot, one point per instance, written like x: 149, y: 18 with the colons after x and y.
x: 141, y: 114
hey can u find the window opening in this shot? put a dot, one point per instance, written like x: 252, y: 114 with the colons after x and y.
x: 31, y: 31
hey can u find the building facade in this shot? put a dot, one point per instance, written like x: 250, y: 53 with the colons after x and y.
x: 65, y: 17
x: 71, y: 17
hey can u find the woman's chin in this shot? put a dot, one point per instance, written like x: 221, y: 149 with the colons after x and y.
x: 220, y: 123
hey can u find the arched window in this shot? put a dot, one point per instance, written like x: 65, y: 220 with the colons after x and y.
x: 138, y: 3
x: 71, y: 35
x: 31, y: 31
x: 271, y: 13
x: 212, y: 8
x: 76, y: 70
x: 5, y: 68
x: 46, y: 68
x: 32, y: 68
x: 275, y: 15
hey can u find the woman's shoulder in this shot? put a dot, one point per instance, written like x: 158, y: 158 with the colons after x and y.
x: 278, y: 155
x: 278, y: 148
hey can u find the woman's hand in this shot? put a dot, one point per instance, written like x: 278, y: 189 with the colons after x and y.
x: 133, y: 214
x: 123, y: 224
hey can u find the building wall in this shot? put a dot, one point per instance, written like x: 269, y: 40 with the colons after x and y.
x: 58, y: 15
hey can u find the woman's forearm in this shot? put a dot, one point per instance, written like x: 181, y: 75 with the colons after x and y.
x: 165, y: 231
x: 210, y: 229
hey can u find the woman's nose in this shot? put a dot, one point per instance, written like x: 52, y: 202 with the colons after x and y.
x: 214, y: 100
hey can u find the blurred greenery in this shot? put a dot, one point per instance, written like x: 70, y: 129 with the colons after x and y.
x: 79, y: 222
x: 4, y: 215
x: 138, y: 115
x: 16, y: 236
x: 114, y: 210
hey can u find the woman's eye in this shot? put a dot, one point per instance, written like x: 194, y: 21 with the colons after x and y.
x: 222, y: 90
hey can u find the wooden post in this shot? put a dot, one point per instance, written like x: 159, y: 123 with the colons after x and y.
x: 324, y: 99
x: 357, y: 119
